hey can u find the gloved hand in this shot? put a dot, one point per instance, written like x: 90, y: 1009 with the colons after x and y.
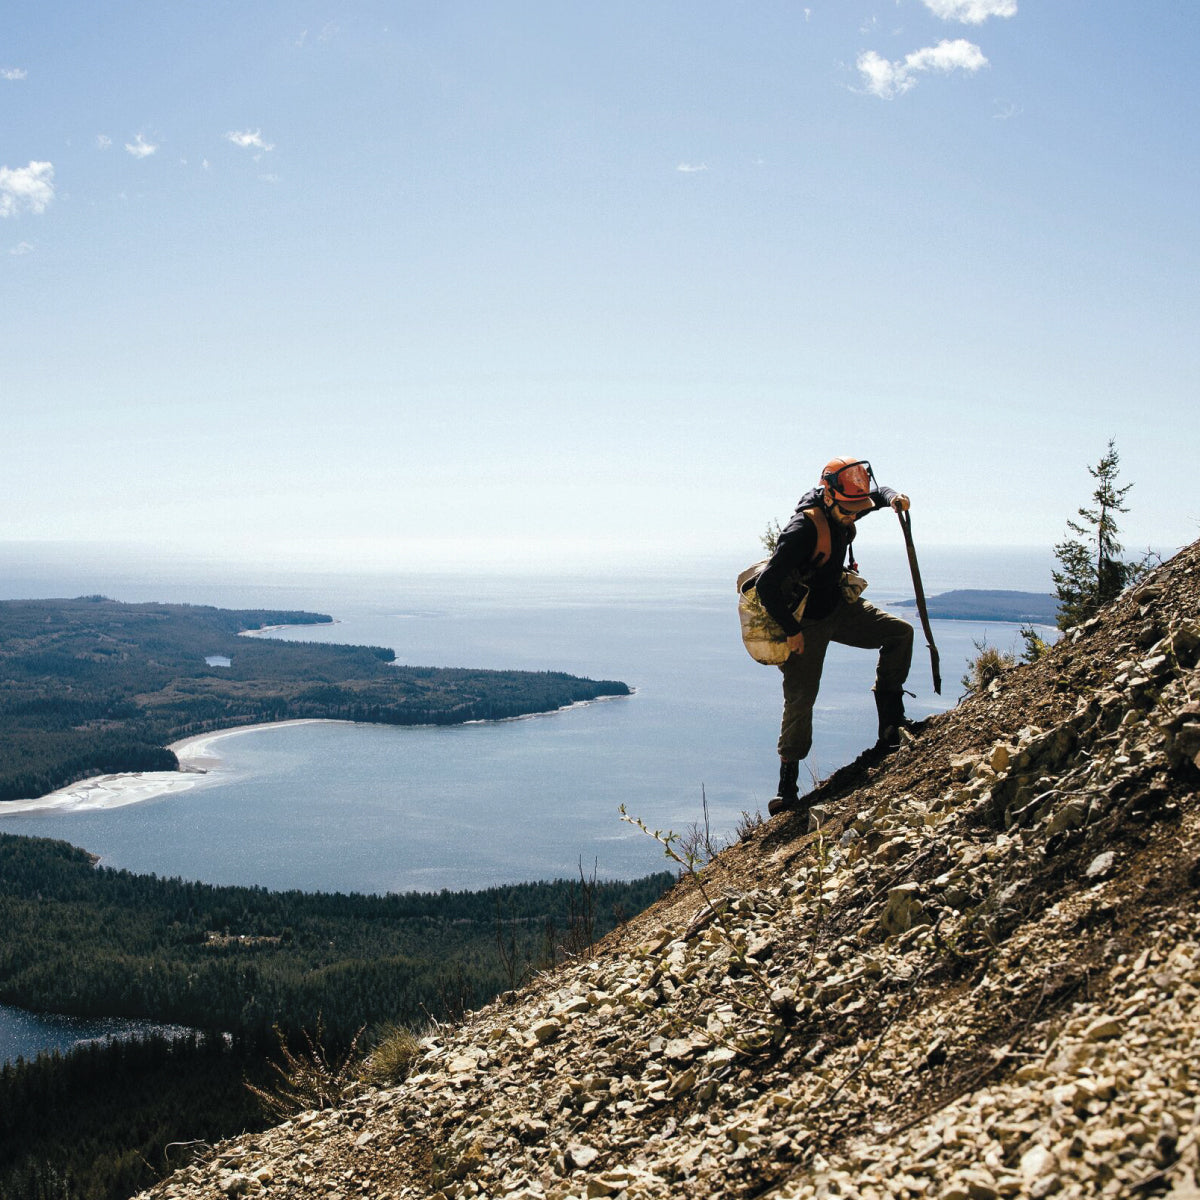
x: 900, y: 504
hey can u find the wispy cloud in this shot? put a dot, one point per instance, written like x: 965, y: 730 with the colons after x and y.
x: 971, y: 12
x: 22, y: 248
x: 887, y: 79
x: 946, y: 56
x: 249, y: 139
x: 103, y: 141
x: 26, y: 189
x: 13, y: 73
x: 691, y: 168
x: 328, y: 32
x: 140, y: 148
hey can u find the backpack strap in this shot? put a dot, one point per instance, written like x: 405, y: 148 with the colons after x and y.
x: 824, y: 542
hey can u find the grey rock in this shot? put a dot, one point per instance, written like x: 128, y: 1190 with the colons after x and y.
x: 904, y: 908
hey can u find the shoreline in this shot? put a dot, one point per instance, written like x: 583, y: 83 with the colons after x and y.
x: 193, y: 752
x: 266, y: 629
x: 198, y: 763
x: 98, y: 793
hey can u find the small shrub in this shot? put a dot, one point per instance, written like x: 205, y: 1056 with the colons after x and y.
x: 581, y: 915
x: 396, y: 1049
x: 309, y: 1079
x: 988, y: 664
x: 748, y: 822
x: 1035, y: 645
x: 695, y: 843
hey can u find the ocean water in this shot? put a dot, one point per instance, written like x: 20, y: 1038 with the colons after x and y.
x: 331, y: 806
x: 335, y: 806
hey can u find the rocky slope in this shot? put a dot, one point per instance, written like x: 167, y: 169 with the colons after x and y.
x: 972, y: 972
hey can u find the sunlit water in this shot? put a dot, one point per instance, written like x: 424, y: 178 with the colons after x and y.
x: 374, y: 808
x: 26, y: 1035
x: 345, y: 807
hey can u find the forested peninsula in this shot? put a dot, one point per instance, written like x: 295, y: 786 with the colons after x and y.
x: 94, y: 686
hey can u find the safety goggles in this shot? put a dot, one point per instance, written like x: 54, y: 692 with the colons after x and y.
x: 834, y: 479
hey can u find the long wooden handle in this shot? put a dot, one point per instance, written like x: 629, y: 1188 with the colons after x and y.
x: 906, y: 526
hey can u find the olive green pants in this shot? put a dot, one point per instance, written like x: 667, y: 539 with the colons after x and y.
x: 859, y: 624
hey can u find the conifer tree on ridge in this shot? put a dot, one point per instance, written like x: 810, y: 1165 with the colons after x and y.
x: 1092, y: 574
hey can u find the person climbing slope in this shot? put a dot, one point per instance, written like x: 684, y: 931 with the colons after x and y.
x: 807, y: 575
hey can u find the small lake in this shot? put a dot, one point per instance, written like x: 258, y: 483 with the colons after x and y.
x: 26, y: 1035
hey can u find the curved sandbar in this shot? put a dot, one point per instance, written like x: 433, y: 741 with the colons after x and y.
x: 197, y: 763
x: 195, y: 756
x: 106, y: 791
x: 115, y: 791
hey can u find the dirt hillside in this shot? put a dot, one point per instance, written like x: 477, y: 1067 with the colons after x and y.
x: 972, y: 972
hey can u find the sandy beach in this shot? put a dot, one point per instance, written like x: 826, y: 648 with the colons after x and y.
x: 198, y: 762
x: 196, y: 754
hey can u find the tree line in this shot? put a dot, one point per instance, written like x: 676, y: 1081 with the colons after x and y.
x: 93, y: 941
x: 235, y: 964
x: 99, y: 1122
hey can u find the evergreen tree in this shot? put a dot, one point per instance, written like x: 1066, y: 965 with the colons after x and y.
x: 1092, y: 574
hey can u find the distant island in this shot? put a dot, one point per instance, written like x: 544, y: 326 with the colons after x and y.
x: 93, y: 686
x: 967, y: 604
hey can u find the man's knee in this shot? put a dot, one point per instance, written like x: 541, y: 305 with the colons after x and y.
x: 896, y: 634
x: 895, y: 654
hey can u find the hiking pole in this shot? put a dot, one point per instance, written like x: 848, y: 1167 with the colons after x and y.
x: 906, y: 526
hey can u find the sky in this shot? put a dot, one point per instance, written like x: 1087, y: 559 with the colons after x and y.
x: 527, y: 284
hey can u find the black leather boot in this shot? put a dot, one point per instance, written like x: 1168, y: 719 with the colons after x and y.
x: 788, y: 796
x: 889, y: 704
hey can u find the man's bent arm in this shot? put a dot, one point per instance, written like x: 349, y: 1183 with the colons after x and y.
x: 793, y: 552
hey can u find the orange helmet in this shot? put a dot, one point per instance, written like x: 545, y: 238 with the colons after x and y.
x: 847, y: 481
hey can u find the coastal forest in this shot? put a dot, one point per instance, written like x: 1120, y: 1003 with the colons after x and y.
x: 241, y: 966
x: 93, y: 686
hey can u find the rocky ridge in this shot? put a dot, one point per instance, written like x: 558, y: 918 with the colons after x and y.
x: 971, y: 971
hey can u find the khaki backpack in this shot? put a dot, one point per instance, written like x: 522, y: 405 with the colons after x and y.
x: 762, y: 635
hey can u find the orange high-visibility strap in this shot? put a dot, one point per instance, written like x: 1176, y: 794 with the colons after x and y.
x: 824, y: 542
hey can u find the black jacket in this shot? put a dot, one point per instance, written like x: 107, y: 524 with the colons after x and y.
x: 790, y: 570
